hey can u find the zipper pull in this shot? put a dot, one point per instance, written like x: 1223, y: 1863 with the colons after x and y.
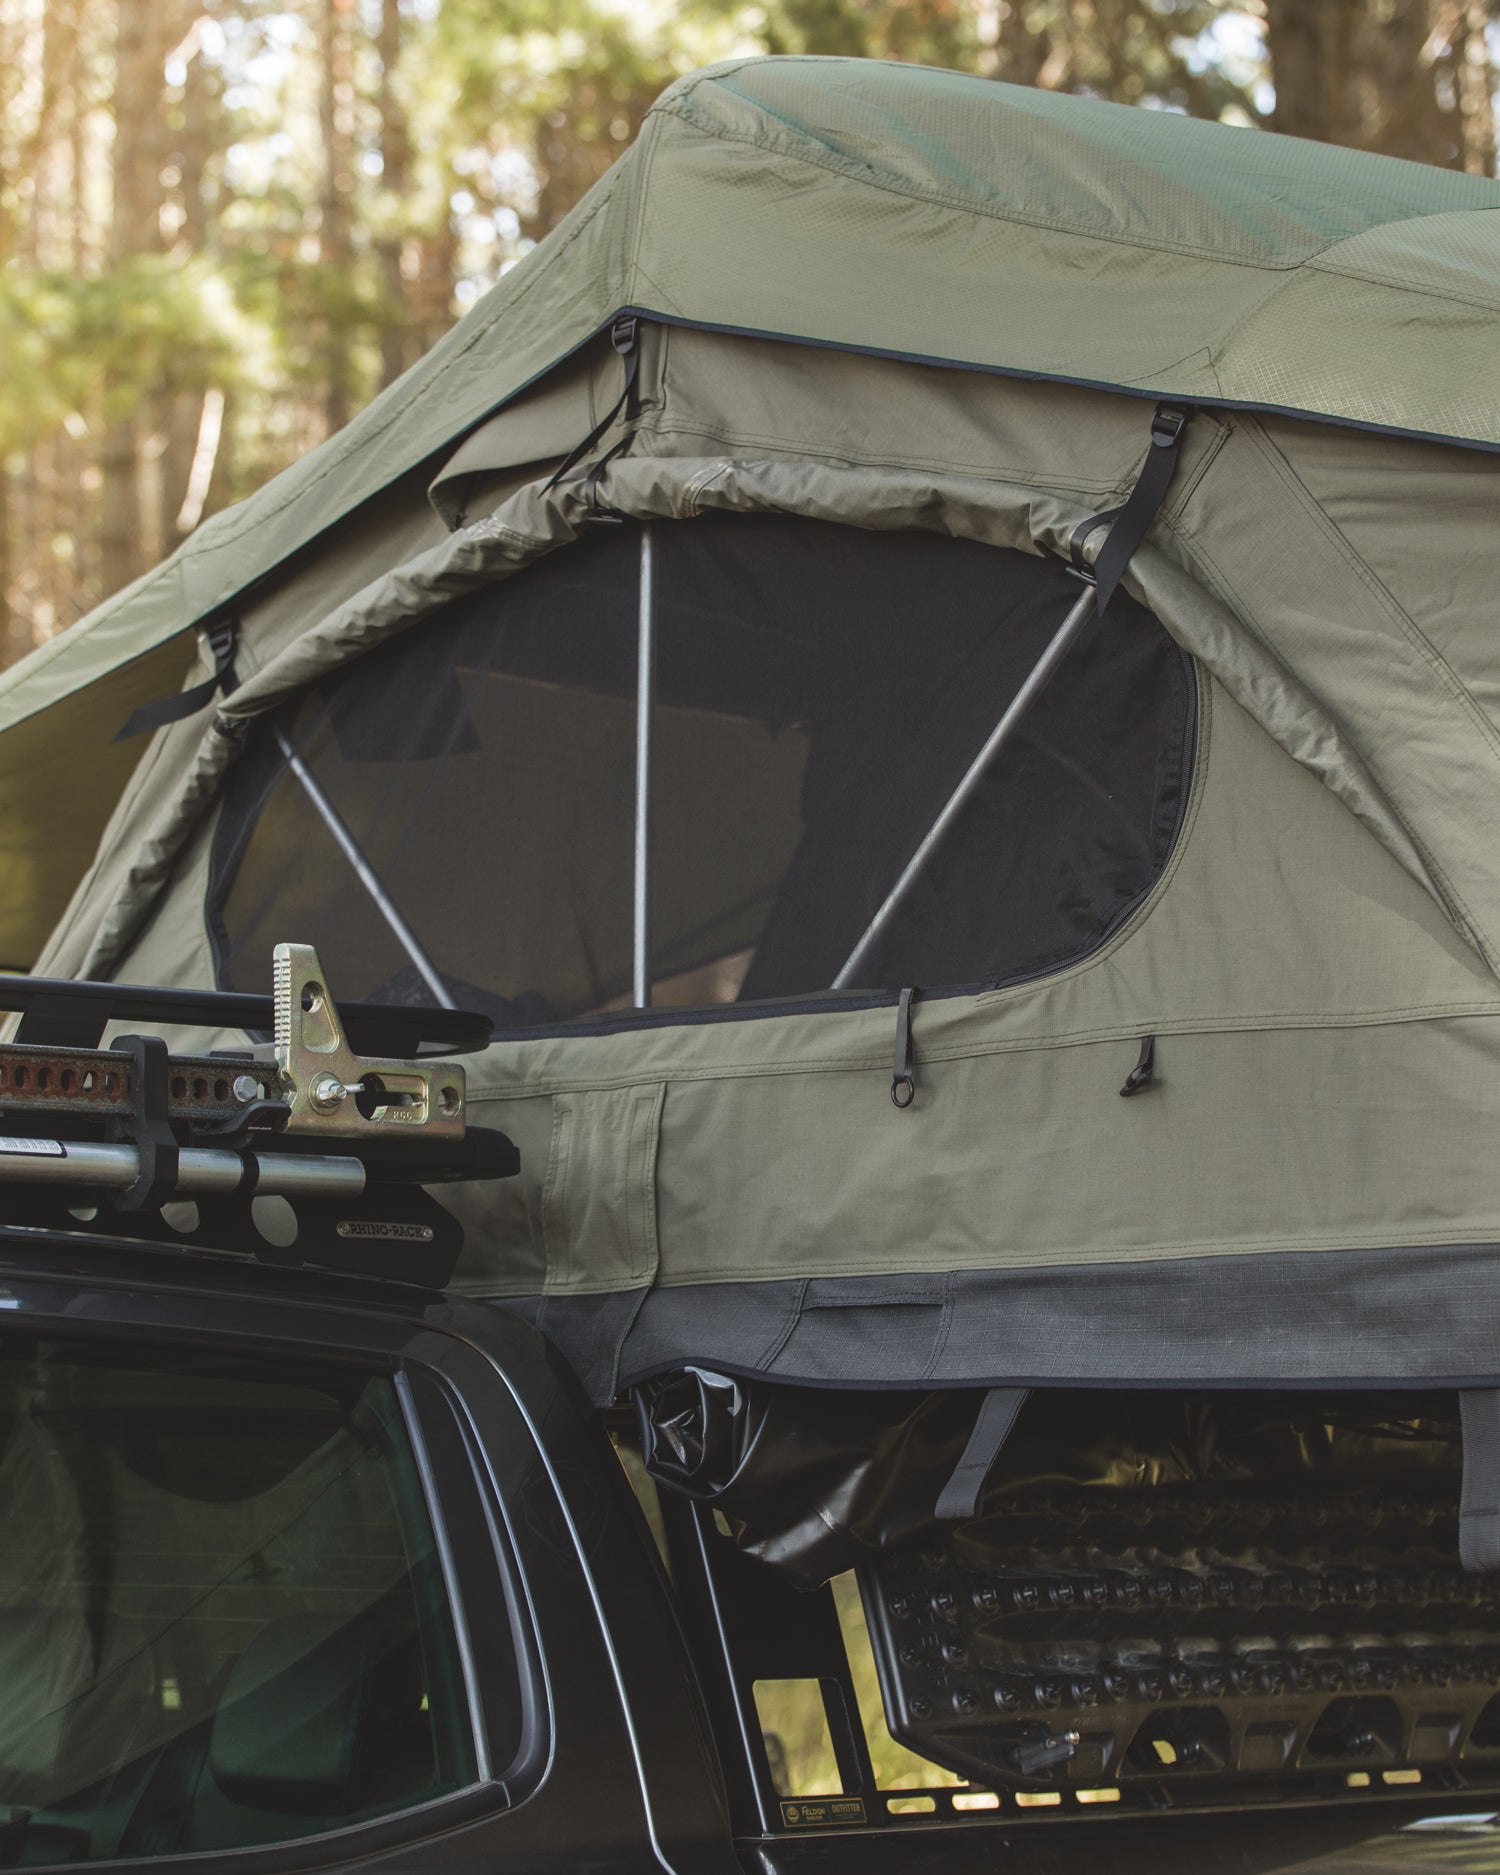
x: 903, y: 1085
x: 1144, y: 1071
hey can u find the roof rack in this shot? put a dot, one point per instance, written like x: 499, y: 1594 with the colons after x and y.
x: 75, y: 1015
x: 134, y: 1140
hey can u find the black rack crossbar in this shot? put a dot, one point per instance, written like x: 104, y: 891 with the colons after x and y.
x: 57, y: 1013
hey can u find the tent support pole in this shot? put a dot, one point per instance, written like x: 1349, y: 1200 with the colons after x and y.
x: 1020, y: 703
x: 645, y: 697
x: 349, y: 847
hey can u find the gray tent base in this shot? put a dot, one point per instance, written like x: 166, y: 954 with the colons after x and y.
x: 1361, y: 1319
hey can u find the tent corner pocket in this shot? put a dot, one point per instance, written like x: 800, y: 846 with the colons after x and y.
x: 598, y: 1205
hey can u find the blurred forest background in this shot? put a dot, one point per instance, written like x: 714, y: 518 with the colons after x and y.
x: 225, y: 224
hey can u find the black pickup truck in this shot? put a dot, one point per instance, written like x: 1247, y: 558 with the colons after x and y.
x: 304, y: 1567
x: 310, y: 1571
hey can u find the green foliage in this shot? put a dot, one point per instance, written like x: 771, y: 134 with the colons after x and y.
x: 155, y: 324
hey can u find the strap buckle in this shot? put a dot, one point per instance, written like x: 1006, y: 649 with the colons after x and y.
x: 1167, y: 424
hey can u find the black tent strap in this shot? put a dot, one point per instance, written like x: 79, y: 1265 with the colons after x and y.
x: 624, y: 336
x: 1479, y: 1502
x: 998, y: 1413
x: 1131, y: 522
x: 221, y: 636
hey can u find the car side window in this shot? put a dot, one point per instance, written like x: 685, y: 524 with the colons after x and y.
x: 222, y: 1619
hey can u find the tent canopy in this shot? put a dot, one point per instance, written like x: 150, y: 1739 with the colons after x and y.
x: 881, y: 208
x: 896, y: 345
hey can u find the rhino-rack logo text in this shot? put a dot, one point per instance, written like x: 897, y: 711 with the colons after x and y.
x: 385, y: 1232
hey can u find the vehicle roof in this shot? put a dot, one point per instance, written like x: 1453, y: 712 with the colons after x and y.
x: 223, y: 1277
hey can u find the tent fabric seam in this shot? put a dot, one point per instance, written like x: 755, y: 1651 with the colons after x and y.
x: 1315, y: 1243
x: 652, y: 143
x: 831, y: 162
x: 728, y: 438
x: 1201, y: 566
x: 1326, y: 262
x: 938, y: 199
x: 1415, y: 637
x: 1376, y: 586
x: 1448, y: 294
x: 657, y: 288
x: 1111, y: 387
x: 1206, y: 568
x: 879, y: 1059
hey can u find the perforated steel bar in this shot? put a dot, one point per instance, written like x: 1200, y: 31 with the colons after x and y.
x: 1020, y: 703
x: 645, y: 694
x: 350, y: 848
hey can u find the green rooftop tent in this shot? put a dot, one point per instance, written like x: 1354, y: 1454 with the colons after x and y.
x: 612, y: 670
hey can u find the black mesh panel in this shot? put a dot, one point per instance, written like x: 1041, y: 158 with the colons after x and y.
x: 820, y: 692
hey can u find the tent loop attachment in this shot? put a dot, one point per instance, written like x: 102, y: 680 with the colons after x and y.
x: 903, y: 1081
x: 221, y: 636
x: 1079, y: 564
x: 1143, y: 1074
x: 594, y: 508
x: 1168, y: 422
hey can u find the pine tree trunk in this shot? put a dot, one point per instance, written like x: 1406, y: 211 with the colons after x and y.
x: 10, y: 649
x: 396, y: 348
x: 1473, y: 84
x: 133, y: 230
x: 178, y: 415
x: 335, y: 237
x: 1363, y: 73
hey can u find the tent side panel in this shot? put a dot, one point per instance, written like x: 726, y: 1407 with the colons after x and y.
x: 61, y: 775
x: 1326, y: 1078
x: 389, y: 531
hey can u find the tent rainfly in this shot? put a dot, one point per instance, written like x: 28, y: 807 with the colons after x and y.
x: 923, y: 608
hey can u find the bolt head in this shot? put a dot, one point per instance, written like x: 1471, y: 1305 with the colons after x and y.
x: 326, y: 1092
x: 245, y: 1089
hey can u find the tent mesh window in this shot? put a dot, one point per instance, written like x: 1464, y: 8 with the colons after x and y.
x: 820, y: 690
